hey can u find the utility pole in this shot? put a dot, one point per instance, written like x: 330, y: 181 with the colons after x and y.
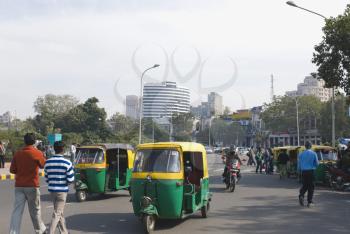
x: 272, y: 89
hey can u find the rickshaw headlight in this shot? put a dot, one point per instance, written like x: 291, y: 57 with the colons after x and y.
x: 146, y: 201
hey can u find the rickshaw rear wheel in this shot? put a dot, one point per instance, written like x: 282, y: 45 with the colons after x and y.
x: 204, y: 210
x: 80, y: 195
x: 149, y: 222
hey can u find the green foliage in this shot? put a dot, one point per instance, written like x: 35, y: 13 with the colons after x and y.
x: 72, y: 137
x: 86, y: 118
x: 342, y: 120
x: 182, y: 127
x: 332, y: 55
x: 49, y: 108
x: 221, y: 131
x: 150, y: 127
x: 280, y: 115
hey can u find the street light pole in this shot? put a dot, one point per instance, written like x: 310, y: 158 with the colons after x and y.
x: 297, y: 107
x: 141, y: 100
x: 291, y: 3
x: 333, y: 119
x: 210, y: 140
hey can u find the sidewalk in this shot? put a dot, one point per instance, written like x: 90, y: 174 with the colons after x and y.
x: 6, y: 175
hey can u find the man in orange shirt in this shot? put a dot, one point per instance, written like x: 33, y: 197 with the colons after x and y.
x: 25, y: 165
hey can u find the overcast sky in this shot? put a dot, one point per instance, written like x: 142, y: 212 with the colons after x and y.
x: 97, y: 48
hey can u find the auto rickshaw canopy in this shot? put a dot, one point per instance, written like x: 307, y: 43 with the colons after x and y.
x: 98, y: 153
x: 176, y: 154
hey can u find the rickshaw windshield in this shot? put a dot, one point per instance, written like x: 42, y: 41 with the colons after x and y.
x: 89, y: 156
x: 157, y: 160
x: 327, y: 155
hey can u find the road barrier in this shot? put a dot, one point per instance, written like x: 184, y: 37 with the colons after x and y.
x: 12, y: 176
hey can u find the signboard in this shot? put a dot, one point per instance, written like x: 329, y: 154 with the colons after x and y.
x: 243, y: 115
x: 52, y: 138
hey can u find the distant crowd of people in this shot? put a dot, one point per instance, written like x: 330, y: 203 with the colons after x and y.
x: 262, y: 159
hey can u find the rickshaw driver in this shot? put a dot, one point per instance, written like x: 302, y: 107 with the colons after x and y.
x: 112, y: 166
x: 193, y: 177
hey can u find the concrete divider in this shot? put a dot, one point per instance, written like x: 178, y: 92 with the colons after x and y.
x: 9, y: 176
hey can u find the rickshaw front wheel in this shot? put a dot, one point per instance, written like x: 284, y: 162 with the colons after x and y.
x: 149, y: 222
x: 80, y: 195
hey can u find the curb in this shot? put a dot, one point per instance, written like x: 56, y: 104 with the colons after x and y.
x: 12, y: 176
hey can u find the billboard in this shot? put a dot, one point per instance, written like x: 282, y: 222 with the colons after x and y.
x: 242, y: 115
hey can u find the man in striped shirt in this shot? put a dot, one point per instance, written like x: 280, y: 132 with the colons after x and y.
x: 59, y: 173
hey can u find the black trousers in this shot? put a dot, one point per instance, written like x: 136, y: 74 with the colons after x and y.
x: 258, y: 166
x: 2, y: 161
x: 307, y: 178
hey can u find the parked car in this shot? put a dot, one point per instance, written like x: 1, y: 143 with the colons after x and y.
x: 209, y: 150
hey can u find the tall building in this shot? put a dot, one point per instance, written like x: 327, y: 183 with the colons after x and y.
x: 164, y: 99
x: 215, y: 104
x: 132, y: 106
x: 312, y: 86
x: 6, y: 118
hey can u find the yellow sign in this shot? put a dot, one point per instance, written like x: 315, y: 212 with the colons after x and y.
x: 242, y: 115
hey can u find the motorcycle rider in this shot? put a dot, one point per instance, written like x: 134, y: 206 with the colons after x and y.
x: 230, y: 157
x: 344, y: 162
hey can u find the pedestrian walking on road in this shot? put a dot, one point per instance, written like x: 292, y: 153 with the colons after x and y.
x: 73, y: 151
x: 258, y: 159
x: 307, y: 164
x: 250, y: 155
x: 266, y: 161
x: 59, y: 173
x: 25, y: 165
x: 2, y: 155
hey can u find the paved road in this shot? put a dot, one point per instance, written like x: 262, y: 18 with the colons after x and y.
x: 261, y: 204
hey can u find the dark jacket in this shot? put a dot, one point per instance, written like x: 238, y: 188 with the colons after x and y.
x: 283, y: 158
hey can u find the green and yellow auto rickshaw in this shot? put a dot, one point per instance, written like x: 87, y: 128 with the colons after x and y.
x: 325, y: 155
x: 102, y: 168
x: 292, y: 152
x: 170, y: 180
x: 292, y: 165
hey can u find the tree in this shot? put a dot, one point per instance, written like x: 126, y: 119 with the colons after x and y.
x: 342, y: 120
x: 151, y: 128
x: 124, y: 129
x: 227, y: 111
x: 280, y: 115
x: 49, y: 109
x: 54, y: 105
x: 87, y: 118
x: 182, y: 126
x: 332, y: 55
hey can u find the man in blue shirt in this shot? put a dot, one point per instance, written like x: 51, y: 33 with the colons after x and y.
x: 307, y: 164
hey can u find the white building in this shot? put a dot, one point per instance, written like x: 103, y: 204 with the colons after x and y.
x: 6, y: 118
x: 164, y: 99
x: 215, y: 104
x: 132, y: 106
x: 312, y: 86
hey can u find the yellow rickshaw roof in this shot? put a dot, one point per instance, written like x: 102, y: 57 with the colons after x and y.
x: 108, y: 146
x: 323, y: 147
x: 285, y: 147
x: 185, y: 146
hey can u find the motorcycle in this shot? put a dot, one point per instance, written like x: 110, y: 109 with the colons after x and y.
x: 233, y: 175
x: 337, y: 179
